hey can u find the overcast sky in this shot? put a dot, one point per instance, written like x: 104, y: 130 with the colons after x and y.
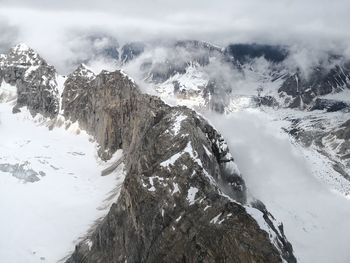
x: 51, y: 25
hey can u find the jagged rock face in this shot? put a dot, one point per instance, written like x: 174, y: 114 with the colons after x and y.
x: 131, y: 50
x: 330, y: 105
x: 106, y: 106
x: 245, y: 52
x: 182, y: 197
x: 34, y: 78
x: 300, y: 92
x: 331, y: 138
x: 119, y: 120
x: 74, y: 103
x: 342, y: 143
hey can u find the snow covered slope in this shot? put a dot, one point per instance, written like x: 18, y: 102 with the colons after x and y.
x: 285, y: 176
x: 51, y: 191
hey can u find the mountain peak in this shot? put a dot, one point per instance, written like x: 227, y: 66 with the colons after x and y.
x: 21, y: 47
x: 84, y: 71
x: 22, y: 54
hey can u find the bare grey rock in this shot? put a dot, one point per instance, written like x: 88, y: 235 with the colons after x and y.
x: 330, y: 137
x: 330, y: 105
x: 300, y: 91
x: 131, y: 51
x: 34, y: 78
x: 21, y: 171
x: 182, y: 198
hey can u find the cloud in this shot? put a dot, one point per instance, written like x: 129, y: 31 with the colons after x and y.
x: 45, y: 25
x: 8, y: 35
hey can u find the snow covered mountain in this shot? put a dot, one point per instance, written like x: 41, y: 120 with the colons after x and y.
x: 254, y: 76
x: 34, y: 78
x: 304, y: 111
x: 288, y: 129
x: 51, y: 188
x: 180, y: 193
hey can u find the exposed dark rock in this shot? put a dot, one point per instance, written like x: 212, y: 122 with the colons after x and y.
x: 34, y: 78
x: 245, y: 52
x: 330, y: 138
x: 343, y: 133
x: 278, y: 230
x: 268, y: 101
x: 21, y: 171
x: 330, y: 105
x: 300, y: 91
x: 182, y: 197
x: 176, y: 87
x: 103, y: 108
x: 131, y: 50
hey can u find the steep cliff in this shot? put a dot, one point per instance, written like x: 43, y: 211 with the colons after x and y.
x: 183, y: 197
x: 34, y: 78
x: 301, y: 91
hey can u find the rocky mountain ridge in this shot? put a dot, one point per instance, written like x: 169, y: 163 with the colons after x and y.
x: 247, y: 76
x: 169, y: 66
x: 193, y: 159
x: 34, y: 78
x: 174, y: 73
x: 183, y: 199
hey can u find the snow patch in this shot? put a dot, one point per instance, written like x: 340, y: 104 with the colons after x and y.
x: 89, y: 243
x: 191, y: 194
x: 179, y: 118
x: 215, y: 219
x: 209, y: 154
x: 178, y: 219
x: 30, y: 70
x: 176, y: 189
x: 188, y: 149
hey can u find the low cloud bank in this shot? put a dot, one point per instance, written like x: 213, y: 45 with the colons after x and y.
x: 55, y: 28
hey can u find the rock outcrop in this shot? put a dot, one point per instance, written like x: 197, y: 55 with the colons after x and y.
x: 330, y: 136
x: 300, y: 91
x: 183, y: 197
x: 243, y: 53
x: 34, y: 78
x: 330, y: 105
x: 131, y: 51
x: 338, y: 141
